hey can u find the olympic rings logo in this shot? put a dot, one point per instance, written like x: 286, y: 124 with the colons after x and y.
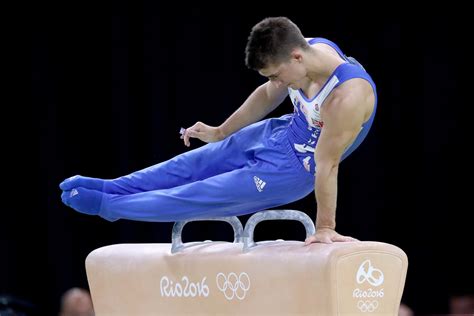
x: 367, y: 306
x: 370, y: 274
x: 232, y: 285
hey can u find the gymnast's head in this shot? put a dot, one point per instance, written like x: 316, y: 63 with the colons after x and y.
x: 275, y: 48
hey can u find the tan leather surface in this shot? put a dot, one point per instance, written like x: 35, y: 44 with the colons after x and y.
x: 274, y: 278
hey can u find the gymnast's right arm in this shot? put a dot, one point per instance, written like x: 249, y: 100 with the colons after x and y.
x: 260, y: 102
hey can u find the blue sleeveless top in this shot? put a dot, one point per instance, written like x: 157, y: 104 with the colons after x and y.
x: 305, y: 125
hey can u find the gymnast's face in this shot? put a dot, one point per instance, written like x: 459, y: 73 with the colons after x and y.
x: 291, y: 74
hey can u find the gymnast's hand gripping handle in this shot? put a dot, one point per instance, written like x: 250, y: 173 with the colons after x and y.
x: 273, y: 215
x: 177, y: 243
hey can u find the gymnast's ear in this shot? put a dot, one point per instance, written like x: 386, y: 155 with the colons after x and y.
x: 297, y: 55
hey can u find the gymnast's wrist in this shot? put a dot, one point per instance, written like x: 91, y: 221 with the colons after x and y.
x: 328, y: 224
x: 221, y: 133
x: 324, y: 220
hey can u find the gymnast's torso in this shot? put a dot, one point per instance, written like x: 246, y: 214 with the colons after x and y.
x: 306, y: 123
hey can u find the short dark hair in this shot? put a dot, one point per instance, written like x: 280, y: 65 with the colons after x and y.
x: 271, y: 42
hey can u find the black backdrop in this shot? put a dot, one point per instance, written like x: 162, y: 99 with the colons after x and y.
x: 113, y: 83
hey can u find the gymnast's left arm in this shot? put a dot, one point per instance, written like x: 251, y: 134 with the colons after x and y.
x: 342, y: 116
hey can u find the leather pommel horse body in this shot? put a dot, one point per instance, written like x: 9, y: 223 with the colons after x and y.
x: 247, y: 278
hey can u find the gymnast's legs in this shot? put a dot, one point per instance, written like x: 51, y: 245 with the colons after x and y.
x: 244, y: 173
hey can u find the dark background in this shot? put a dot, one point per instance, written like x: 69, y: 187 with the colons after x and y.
x: 113, y: 83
